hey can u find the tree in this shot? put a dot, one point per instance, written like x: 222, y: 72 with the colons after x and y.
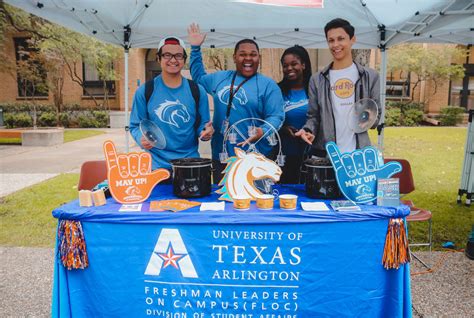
x: 60, y: 51
x: 217, y: 58
x: 427, y: 63
x: 73, y: 48
x: 31, y: 77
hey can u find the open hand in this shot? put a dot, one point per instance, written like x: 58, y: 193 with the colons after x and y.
x: 207, y: 132
x: 288, y: 131
x: 357, y: 172
x: 306, y: 136
x: 258, y: 133
x: 130, y: 177
x: 195, y: 37
x: 145, y: 143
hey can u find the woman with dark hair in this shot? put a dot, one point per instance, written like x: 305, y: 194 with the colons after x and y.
x: 294, y: 87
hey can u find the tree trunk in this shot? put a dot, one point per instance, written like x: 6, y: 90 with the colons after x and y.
x: 361, y: 56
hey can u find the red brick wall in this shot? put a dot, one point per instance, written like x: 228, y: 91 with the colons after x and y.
x: 72, y: 92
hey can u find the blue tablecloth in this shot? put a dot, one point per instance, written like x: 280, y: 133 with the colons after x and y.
x: 231, y: 264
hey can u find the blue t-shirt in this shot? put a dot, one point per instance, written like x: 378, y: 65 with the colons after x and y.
x: 259, y: 97
x: 173, y: 110
x: 296, y: 107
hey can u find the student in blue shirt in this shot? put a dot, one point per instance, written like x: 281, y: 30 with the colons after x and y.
x: 296, y: 67
x: 239, y: 94
x: 172, y: 107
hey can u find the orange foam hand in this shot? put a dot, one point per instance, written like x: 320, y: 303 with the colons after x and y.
x: 130, y: 177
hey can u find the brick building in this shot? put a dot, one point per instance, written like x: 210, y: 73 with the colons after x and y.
x: 143, y: 66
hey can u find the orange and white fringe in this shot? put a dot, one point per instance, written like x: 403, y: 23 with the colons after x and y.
x: 396, y: 251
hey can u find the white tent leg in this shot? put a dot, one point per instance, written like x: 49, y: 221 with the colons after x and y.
x: 125, y: 86
x: 383, y: 82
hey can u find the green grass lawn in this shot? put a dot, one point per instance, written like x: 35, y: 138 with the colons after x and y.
x: 69, y: 135
x: 10, y: 141
x: 76, y: 134
x: 435, y: 155
x: 25, y: 216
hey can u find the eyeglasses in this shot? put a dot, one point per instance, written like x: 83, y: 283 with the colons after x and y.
x: 169, y: 56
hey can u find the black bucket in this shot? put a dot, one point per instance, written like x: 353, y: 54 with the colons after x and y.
x: 191, y: 177
x: 320, y: 179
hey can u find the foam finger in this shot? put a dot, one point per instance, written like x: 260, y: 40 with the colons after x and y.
x: 133, y: 161
x: 110, y: 154
x: 334, y: 154
x: 358, y: 158
x: 145, y: 163
x: 370, y: 159
x: 123, y: 165
x: 348, y: 164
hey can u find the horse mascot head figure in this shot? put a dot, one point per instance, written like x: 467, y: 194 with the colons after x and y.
x: 241, y: 172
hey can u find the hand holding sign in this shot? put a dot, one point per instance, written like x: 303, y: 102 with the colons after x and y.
x: 130, y: 177
x: 357, y: 172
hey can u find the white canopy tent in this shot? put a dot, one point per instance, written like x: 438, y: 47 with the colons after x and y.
x: 272, y: 23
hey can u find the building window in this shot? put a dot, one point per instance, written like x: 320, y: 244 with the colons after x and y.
x: 461, y: 91
x: 31, y: 75
x: 93, y: 84
x: 398, y: 87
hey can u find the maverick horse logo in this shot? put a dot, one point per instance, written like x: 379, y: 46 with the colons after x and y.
x: 173, y: 113
x: 241, y: 172
x: 239, y: 96
x: 170, y: 251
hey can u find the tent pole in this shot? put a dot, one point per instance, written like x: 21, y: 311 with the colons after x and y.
x: 127, y: 31
x: 126, y: 99
x: 383, y: 81
x: 383, y: 84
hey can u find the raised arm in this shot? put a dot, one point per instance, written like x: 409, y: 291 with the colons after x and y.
x: 196, y: 39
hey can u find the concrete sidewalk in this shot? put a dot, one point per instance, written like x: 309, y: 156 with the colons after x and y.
x: 22, y: 166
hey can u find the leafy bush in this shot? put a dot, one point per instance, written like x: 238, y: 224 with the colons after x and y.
x: 87, y: 122
x: 393, y: 117
x: 404, y: 114
x: 101, y: 117
x: 412, y: 117
x: 64, y: 120
x: 47, y: 119
x: 451, y: 115
x: 71, y: 107
x: 72, y: 116
x: 18, y: 120
x: 25, y: 107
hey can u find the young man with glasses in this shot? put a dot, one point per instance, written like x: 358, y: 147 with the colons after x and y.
x: 179, y: 107
x: 243, y: 93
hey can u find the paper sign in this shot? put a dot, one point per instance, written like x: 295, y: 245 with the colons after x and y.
x: 314, y: 206
x: 130, y: 208
x: 357, y: 172
x: 130, y: 177
x: 212, y: 206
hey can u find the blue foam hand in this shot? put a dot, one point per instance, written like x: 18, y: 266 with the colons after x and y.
x: 357, y: 172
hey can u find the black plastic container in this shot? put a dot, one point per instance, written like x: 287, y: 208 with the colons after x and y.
x: 191, y: 177
x: 320, y: 179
